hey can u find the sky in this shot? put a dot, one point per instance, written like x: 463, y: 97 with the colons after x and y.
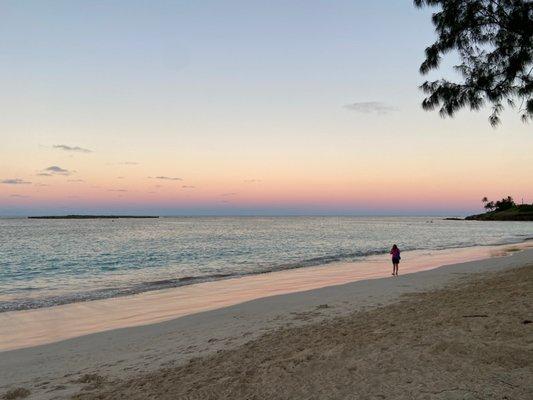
x: 238, y: 108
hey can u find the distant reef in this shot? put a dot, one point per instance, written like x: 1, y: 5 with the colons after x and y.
x: 74, y: 216
x: 522, y: 212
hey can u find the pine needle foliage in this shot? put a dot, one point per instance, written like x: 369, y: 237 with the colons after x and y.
x: 494, y: 40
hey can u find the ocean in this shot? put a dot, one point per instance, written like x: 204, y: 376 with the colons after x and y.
x: 49, y: 262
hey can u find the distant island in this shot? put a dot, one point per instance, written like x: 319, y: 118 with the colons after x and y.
x: 75, y: 216
x: 504, y: 210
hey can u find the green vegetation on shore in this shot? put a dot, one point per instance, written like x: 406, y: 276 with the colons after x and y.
x: 504, y: 210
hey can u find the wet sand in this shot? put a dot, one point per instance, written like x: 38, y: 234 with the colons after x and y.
x: 20, y: 329
x: 105, y: 362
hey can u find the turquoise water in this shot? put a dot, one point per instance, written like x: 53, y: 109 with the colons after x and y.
x: 48, y: 262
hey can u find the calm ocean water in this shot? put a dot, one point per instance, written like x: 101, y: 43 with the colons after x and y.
x: 48, y: 262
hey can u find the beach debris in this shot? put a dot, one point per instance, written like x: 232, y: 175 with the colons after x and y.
x: 527, y: 321
x: 475, y: 316
x: 16, y: 393
x: 320, y: 306
x: 92, y: 381
x: 89, y: 378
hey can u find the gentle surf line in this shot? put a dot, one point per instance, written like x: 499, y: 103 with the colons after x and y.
x: 20, y: 304
x: 19, y: 329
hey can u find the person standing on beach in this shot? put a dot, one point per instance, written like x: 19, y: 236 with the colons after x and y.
x: 395, y: 251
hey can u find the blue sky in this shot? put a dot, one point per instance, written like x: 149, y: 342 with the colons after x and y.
x: 302, y: 98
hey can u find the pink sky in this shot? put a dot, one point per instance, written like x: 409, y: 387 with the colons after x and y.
x: 247, y: 108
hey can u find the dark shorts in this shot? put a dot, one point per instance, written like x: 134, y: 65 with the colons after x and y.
x: 395, y: 260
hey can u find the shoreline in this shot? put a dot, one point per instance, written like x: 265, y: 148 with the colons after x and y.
x: 126, y: 352
x: 470, y: 340
x: 33, y: 327
x: 175, y: 283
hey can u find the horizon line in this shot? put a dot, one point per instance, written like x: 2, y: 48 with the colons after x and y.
x: 237, y: 215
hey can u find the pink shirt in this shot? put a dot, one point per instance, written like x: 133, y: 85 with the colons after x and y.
x: 395, y: 253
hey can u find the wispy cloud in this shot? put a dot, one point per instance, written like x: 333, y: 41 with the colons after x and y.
x: 252, y: 180
x: 166, y: 178
x: 77, y: 149
x: 75, y: 180
x: 55, y: 170
x: 15, y: 181
x: 19, y: 196
x: 229, y: 194
x: 44, y: 174
x: 188, y: 187
x: 123, y: 163
x: 369, y: 107
x: 117, y: 190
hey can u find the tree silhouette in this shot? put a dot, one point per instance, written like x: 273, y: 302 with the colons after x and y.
x: 489, y: 206
x: 494, y: 40
x: 505, y: 203
x: 500, y: 205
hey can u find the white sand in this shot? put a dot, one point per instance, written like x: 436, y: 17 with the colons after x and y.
x: 48, y: 370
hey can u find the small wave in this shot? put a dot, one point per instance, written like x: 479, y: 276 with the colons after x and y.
x: 526, y: 237
x: 186, y: 280
x: 28, y: 288
x: 328, y: 259
x: 32, y: 303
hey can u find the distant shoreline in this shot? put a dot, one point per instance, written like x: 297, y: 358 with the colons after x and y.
x: 91, y: 216
x: 522, y: 212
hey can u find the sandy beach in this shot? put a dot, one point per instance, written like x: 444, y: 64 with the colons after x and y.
x: 449, y: 332
x: 211, y: 200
